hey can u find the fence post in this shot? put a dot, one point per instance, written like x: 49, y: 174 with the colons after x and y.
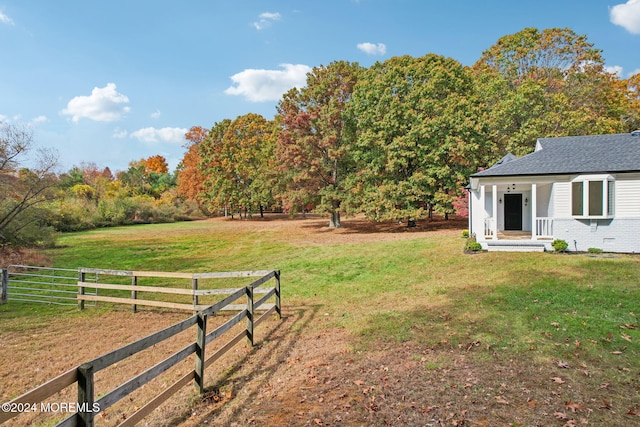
x: 85, y: 395
x: 134, y: 294
x: 5, y: 285
x: 278, y: 303
x: 194, y: 286
x: 250, y: 314
x: 201, y: 341
x: 81, y: 278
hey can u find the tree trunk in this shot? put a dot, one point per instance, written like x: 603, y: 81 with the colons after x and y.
x: 334, y: 222
x: 261, y: 211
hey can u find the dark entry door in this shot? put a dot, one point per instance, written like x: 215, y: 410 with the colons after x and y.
x: 513, y: 211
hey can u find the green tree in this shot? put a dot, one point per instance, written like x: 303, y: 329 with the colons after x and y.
x: 546, y: 83
x: 234, y: 157
x: 312, y: 148
x: 417, y: 136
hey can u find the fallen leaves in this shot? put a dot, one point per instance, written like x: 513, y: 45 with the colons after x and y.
x: 574, y: 407
x: 557, y: 380
x: 605, y: 405
x: 501, y: 400
x: 560, y: 415
x: 634, y: 411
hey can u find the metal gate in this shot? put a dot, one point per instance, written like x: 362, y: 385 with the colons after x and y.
x: 45, y: 285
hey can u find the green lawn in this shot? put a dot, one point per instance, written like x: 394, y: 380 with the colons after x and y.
x: 534, y: 307
x: 519, y: 302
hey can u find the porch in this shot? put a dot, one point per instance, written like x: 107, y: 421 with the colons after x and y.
x: 542, y: 230
x: 516, y: 216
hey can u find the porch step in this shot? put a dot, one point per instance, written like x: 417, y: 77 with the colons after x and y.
x: 515, y: 246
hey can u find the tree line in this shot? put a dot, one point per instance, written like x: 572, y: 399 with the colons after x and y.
x: 397, y: 140
x: 400, y: 138
x: 37, y: 202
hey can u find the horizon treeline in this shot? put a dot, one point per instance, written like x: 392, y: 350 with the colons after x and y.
x: 397, y: 140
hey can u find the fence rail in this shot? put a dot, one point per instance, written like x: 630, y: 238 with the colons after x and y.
x: 45, y: 285
x: 194, y: 291
x: 83, y: 375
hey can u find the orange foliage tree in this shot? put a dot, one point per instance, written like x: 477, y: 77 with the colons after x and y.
x: 157, y: 164
x: 189, y: 176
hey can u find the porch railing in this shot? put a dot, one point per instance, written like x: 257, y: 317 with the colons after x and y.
x: 544, y: 228
x: 489, y: 227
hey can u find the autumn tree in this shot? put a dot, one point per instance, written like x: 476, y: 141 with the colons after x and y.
x: 156, y: 164
x: 417, y: 136
x: 234, y: 157
x: 148, y: 176
x: 24, y: 191
x: 546, y: 83
x: 632, y: 87
x: 189, y: 177
x: 312, y: 148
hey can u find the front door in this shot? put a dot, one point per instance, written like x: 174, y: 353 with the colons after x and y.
x: 513, y: 211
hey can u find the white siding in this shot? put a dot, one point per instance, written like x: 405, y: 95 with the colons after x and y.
x: 627, y: 198
x: 562, y: 199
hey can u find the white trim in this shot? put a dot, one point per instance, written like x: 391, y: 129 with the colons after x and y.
x: 586, y: 187
x: 534, y: 213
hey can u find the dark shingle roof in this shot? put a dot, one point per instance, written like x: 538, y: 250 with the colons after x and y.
x: 574, y: 154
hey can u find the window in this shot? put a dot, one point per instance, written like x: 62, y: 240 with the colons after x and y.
x: 577, y: 197
x: 592, y: 198
x: 595, y: 198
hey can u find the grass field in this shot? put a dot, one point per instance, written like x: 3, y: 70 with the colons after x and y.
x: 486, y: 339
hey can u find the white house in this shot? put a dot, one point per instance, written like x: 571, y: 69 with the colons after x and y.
x: 581, y: 189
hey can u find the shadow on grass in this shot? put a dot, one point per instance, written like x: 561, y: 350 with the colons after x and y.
x: 361, y: 225
x: 281, y: 340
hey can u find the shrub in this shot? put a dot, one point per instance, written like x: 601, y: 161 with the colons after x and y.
x: 465, y: 234
x: 473, y: 246
x: 594, y: 250
x: 559, y: 245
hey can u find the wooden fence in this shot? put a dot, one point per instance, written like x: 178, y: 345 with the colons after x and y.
x: 45, y: 285
x: 194, y: 291
x: 88, y: 406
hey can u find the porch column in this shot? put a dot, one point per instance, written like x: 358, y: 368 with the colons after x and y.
x: 534, y: 218
x: 494, y: 201
x: 482, y: 216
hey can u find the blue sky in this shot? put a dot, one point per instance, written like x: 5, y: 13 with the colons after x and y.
x: 113, y: 81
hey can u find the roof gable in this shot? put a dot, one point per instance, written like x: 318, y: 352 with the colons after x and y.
x: 574, y: 154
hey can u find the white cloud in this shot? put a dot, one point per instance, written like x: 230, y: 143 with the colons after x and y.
x: 103, y: 105
x: 7, y: 119
x: 266, y: 19
x: 615, y: 69
x: 173, y: 135
x: 268, y: 85
x: 156, y: 114
x: 627, y: 15
x: 5, y: 19
x: 119, y: 133
x: 372, y: 48
x: 619, y: 71
x: 39, y: 119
